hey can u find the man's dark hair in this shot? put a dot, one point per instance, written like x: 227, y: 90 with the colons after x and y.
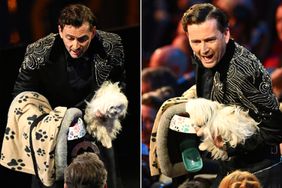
x: 199, y: 13
x: 76, y: 15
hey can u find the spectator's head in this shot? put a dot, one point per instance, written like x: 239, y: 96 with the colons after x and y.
x: 197, y: 182
x: 85, y: 171
x: 171, y: 57
x: 278, y: 18
x: 157, y: 77
x: 182, y: 42
x: 242, y: 179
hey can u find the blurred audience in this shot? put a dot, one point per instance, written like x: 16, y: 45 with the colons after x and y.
x: 151, y: 102
x: 157, y: 77
x: 177, y: 61
x: 171, y: 57
x: 273, y: 62
x: 197, y: 182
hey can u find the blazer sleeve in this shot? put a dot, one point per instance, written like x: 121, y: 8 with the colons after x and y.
x: 117, y: 59
x: 266, y: 112
x: 27, y: 76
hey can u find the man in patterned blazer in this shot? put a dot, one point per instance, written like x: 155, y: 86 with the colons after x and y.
x: 230, y: 74
x: 67, y: 68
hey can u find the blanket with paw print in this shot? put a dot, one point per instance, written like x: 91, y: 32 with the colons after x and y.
x: 30, y: 137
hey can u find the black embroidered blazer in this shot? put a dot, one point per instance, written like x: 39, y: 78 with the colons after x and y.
x: 44, y: 68
x: 240, y: 79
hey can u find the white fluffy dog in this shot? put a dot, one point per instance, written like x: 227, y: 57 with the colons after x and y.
x: 104, y: 111
x: 213, y: 119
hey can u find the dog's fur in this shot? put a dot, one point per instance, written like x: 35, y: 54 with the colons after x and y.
x: 104, y: 111
x: 213, y: 119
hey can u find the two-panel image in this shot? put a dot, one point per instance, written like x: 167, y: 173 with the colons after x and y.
x: 141, y: 93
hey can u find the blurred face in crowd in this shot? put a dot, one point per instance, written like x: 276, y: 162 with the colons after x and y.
x: 148, y: 118
x: 279, y: 22
x: 77, y: 39
x: 208, y: 42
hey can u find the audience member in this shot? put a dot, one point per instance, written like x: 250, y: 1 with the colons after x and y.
x: 240, y: 179
x: 273, y: 62
x: 197, y: 182
x: 85, y: 171
x: 175, y: 59
x: 171, y: 57
x: 157, y: 77
x: 151, y: 102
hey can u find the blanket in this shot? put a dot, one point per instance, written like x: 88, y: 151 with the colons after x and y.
x: 30, y: 137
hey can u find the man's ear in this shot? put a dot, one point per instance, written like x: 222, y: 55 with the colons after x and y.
x: 227, y: 35
x: 60, y: 31
x: 93, y: 32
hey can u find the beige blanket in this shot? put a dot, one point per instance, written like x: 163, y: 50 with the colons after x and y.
x: 153, y: 158
x: 17, y: 151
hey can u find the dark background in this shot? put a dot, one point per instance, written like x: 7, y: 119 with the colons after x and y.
x: 127, y: 144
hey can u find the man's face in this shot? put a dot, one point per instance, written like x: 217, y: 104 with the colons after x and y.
x: 77, y: 39
x: 207, y: 42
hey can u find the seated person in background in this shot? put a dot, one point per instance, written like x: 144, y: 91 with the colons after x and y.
x: 273, y: 62
x: 85, y: 171
x: 156, y: 77
x: 242, y: 179
x: 175, y: 59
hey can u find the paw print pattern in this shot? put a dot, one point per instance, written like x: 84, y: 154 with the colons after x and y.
x: 41, y: 109
x: 47, y: 119
x: 31, y: 119
x: 52, y: 154
x: 52, y: 137
x: 27, y: 150
x: 57, y: 117
x: 155, y: 164
x: 16, y: 164
x: 18, y: 111
x: 41, y: 152
x: 153, y: 137
x: 36, y: 95
x: 2, y: 157
x: 23, y: 99
x: 46, y: 166
x: 41, y: 135
x: 25, y: 135
x: 9, y: 134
